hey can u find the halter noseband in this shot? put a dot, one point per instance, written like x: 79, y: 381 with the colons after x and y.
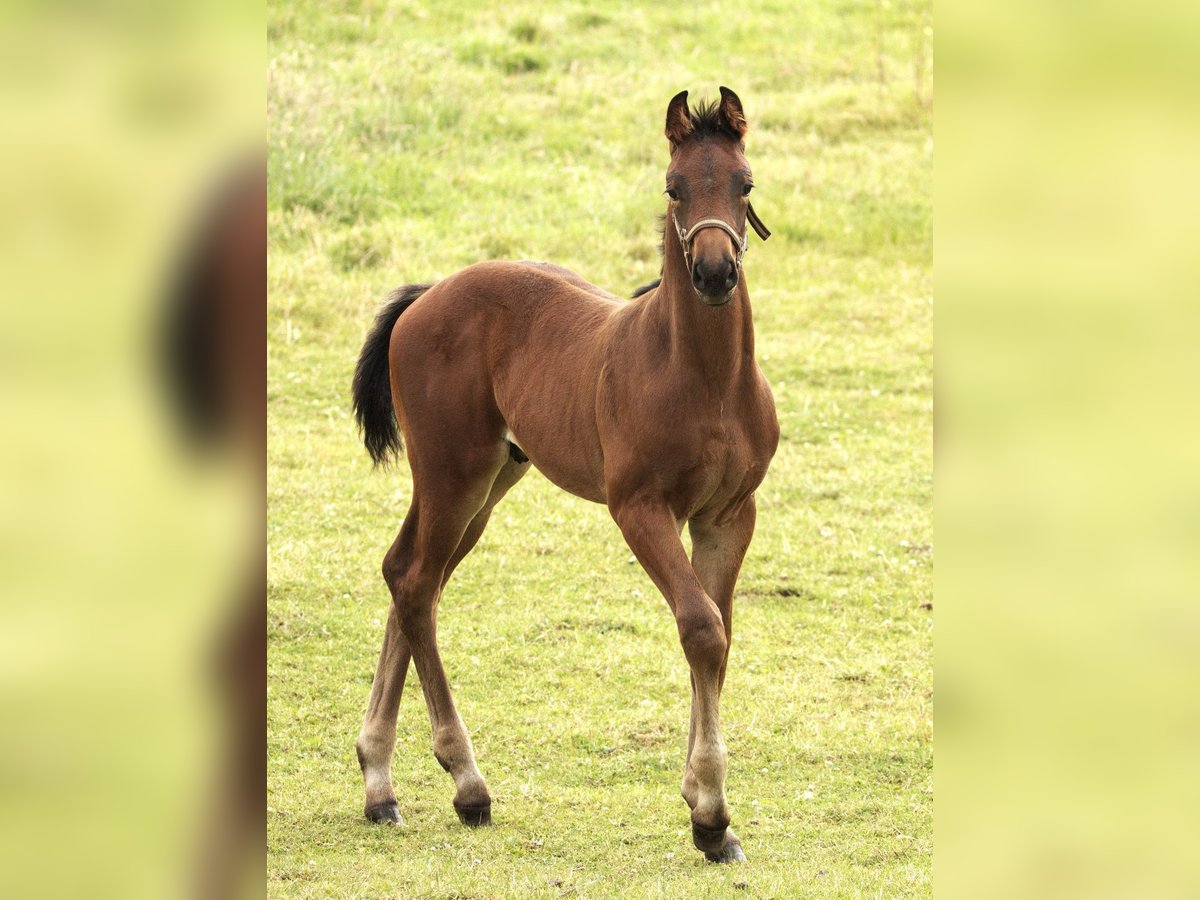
x: 740, y: 241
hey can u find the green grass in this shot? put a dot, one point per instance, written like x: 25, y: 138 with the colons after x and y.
x: 409, y: 140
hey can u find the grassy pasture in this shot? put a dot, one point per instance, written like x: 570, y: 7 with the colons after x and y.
x: 411, y: 139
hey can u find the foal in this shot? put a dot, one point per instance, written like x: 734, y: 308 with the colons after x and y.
x: 655, y: 407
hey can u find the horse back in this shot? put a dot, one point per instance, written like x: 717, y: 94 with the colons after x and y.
x: 511, y: 351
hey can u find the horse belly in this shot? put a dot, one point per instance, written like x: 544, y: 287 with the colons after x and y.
x: 572, y: 478
x: 558, y: 447
x: 552, y: 420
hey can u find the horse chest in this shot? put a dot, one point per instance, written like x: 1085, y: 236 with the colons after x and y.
x: 723, y: 463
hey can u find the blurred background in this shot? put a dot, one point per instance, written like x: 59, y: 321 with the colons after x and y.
x: 132, y: 283
x: 1068, y: 496
x: 1067, y: 493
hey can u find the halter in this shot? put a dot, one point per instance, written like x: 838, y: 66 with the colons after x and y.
x: 740, y: 241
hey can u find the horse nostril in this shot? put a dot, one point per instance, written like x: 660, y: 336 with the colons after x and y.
x: 717, y: 278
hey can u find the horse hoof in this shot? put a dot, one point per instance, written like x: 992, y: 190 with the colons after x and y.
x: 730, y: 853
x: 386, y: 813
x: 709, y: 840
x: 475, y: 815
x: 720, y: 845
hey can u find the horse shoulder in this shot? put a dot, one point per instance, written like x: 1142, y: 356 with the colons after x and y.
x: 763, y: 420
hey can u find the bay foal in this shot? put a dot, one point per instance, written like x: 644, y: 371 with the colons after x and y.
x: 655, y: 407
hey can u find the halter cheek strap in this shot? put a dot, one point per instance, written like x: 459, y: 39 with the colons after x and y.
x: 756, y: 223
x: 740, y: 241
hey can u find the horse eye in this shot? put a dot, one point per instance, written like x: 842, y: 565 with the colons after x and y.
x: 747, y: 189
x: 672, y: 194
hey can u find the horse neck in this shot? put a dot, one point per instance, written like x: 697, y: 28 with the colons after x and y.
x: 718, y: 341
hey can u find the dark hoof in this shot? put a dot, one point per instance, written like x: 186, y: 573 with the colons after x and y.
x: 709, y: 840
x: 730, y: 853
x: 386, y: 813
x: 475, y: 815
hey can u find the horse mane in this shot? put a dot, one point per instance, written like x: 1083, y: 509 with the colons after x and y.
x: 707, y: 122
x: 662, y: 230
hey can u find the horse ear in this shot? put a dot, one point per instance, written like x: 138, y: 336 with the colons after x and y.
x: 679, y: 119
x: 730, y: 112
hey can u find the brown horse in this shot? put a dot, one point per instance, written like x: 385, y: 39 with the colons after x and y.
x: 655, y: 407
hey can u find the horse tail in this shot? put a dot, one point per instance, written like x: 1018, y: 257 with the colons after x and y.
x: 372, y: 381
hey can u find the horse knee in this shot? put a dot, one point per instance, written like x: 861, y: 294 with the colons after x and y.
x: 702, y: 634
x: 413, y: 593
x: 395, y: 567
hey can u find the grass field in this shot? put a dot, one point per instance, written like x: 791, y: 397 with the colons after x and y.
x: 411, y: 139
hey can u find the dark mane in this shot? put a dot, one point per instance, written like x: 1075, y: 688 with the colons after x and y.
x: 647, y: 288
x: 706, y: 122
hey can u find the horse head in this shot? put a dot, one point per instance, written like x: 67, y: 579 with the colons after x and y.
x: 708, y: 189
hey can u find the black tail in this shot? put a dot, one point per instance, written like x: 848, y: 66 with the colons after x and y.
x: 372, y: 381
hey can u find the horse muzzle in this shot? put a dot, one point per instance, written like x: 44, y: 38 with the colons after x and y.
x: 714, y: 273
x: 715, y: 280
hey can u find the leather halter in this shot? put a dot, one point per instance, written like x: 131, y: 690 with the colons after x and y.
x: 740, y: 241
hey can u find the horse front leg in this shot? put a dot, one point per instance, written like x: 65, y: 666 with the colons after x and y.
x: 718, y: 549
x: 652, y: 532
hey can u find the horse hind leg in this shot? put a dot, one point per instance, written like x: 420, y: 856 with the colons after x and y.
x: 510, y: 473
x: 377, y: 737
x: 417, y: 568
x: 452, y: 744
x: 376, y: 742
